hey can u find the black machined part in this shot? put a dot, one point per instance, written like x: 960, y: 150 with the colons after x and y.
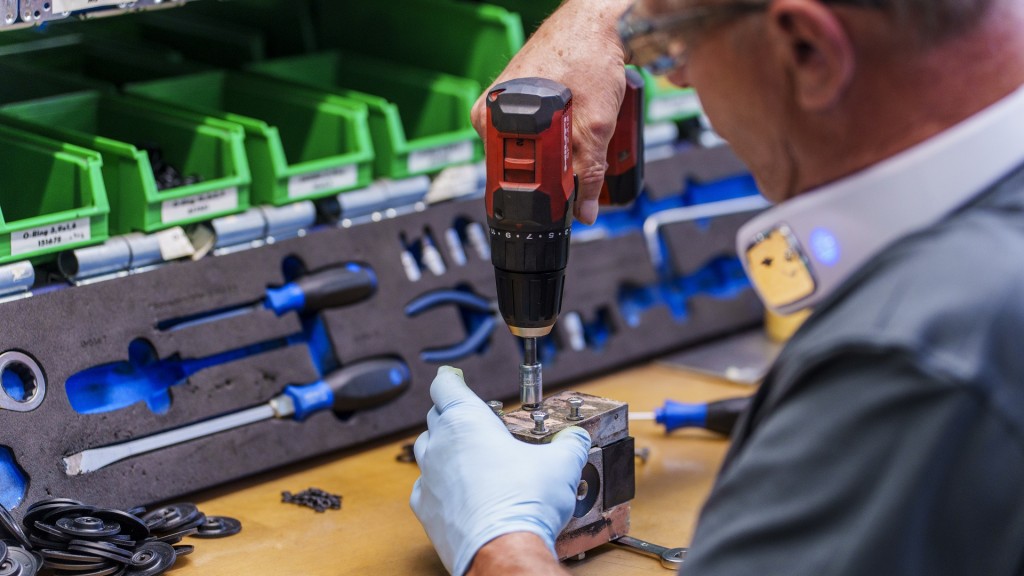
x: 11, y: 526
x: 55, y: 514
x: 88, y: 526
x: 152, y: 558
x: 175, y: 537
x: 36, y: 514
x: 19, y: 562
x: 586, y: 503
x: 69, y: 556
x: 50, y: 532
x: 52, y: 501
x: 104, y: 549
x: 111, y: 569
x: 184, y: 549
x: 38, y: 542
x: 526, y: 105
x: 130, y: 523
x: 218, y: 527
x: 619, y: 472
x: 137, y: 511
x: 121, y: 541
x: 171, y: 517
x: 77, y: 566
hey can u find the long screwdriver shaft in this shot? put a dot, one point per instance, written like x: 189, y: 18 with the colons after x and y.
x: 95, y: 458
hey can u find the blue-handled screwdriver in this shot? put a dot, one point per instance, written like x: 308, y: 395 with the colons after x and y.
x: 328, y: 288
x: 359, y: 386
x: 719, y: 416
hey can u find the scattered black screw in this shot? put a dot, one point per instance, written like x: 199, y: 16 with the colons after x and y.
x: 314, y: 498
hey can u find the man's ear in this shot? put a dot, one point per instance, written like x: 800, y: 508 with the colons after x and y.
x: 816, y: 49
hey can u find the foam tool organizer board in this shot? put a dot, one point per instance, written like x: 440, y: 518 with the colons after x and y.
x: 128, y: 360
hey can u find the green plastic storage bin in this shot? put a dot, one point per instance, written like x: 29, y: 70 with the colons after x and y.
x: 666, y: 102
x: 532, y: 12
x: 116, y: 127
x: 229, y: 34
x: 102, y: 62
x: 301, y: 143
x: 220, y: 42
x: 463, y: 39
x: 21, y: 83
x: 51, y: 197
x: 419, y: 120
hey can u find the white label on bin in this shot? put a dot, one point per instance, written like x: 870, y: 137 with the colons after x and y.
x: 174, y: 244
x: 676, y: 106
x: 60, y: 6
x: 431, y: 158
x: 330, y: 179
x: 61, y: 234
x: 198, y: 205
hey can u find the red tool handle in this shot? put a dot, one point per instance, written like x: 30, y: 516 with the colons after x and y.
x: 625, y: 176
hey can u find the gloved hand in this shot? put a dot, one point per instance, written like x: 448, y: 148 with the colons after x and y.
x: 478, y: 482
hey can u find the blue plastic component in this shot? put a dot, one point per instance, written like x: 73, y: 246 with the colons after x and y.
x: 117, y: 385
x: 318, y: 343
x: 613, y: 223
x: 722, y: 277
x: 598, y: 332
x: 310, y: 398
x: 13, y: 385
x: 725, y: 189
x: 478, y: 319
x: 287, y: 298
x: 675, y: 415
x: 13, y: 481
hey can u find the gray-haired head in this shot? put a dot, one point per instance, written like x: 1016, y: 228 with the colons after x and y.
x: 932, y: 20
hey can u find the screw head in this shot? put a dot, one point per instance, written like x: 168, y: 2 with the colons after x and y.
x: 576, y: 402
x: 496, y: 406
x: 539, y: 416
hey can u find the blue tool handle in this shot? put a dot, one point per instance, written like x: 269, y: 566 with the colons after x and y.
x: 467, y: 347
x: 330, y: 288
x: 359, y: 386
x: 719, y: 416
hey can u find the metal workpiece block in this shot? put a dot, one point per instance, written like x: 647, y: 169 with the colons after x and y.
x: 604, y: 419
x: 608, y: 481
x: 577, y: 540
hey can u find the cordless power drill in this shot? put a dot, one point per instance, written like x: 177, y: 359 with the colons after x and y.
x: 530, y: 192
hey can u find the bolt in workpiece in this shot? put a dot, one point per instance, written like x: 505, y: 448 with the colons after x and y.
x: 575, y: 403
x: 496, y: 406
x: 539, y: 417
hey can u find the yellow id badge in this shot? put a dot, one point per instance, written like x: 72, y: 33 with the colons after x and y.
x: 778, y: 268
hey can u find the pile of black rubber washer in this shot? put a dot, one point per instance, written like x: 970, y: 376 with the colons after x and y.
x: 69, y: 538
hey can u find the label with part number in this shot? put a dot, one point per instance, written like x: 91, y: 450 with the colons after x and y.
x: 198, y: 205
x: 61, y: 234
x: 682, y: 104
x: 330, y: 179
x: 60, y: 6
x: 431, y: 158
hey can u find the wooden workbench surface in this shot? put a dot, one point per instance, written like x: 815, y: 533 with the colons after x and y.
x: 376, y: 532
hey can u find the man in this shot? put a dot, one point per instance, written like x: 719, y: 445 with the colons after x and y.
x: 888, y: 439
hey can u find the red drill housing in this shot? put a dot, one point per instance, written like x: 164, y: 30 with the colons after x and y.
x: 529, y: 197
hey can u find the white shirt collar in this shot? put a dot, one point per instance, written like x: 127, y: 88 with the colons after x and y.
x: 838, y: 227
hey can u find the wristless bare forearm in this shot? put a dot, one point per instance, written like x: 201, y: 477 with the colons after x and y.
x: 515, y: 554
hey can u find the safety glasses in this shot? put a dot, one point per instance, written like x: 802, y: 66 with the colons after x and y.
x: 659, y: 44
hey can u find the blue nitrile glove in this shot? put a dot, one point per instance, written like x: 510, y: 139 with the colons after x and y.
x: 478, y: 482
